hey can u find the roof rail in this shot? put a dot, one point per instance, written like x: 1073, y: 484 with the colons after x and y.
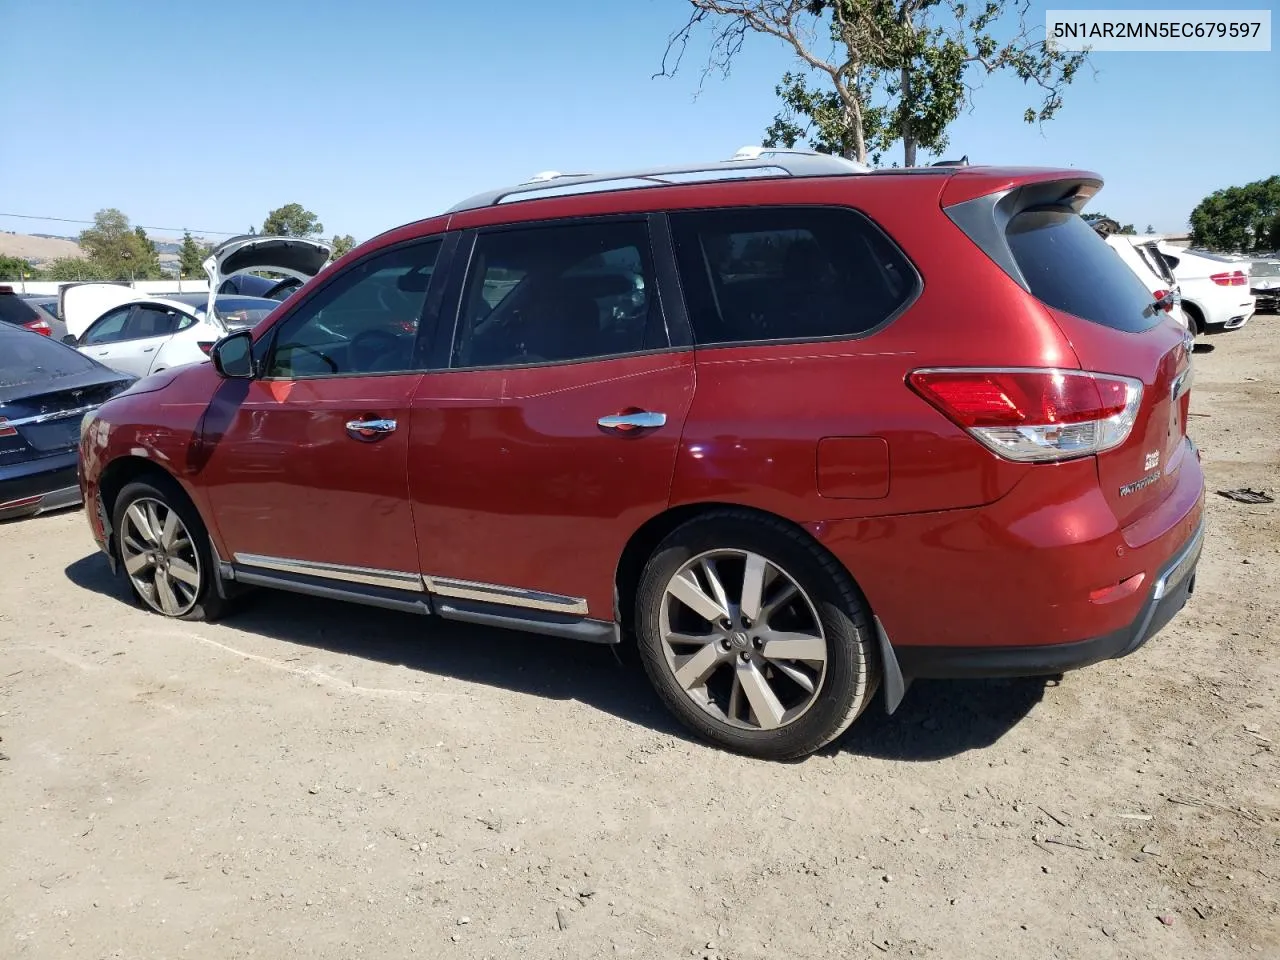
x: 747, y: 163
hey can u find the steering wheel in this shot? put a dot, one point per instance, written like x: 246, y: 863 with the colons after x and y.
x: 371, y: 346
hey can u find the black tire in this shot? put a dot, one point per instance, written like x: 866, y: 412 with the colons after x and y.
x: 852, y: 668
x: 208, y: 604
x: 1195, y: 318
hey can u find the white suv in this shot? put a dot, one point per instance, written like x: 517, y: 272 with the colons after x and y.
x: 1142, y: 257
x: 1215, y: 289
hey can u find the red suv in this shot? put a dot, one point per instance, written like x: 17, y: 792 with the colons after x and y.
x: 802, y: 429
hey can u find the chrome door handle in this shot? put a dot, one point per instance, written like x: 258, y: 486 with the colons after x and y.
x: 368, y: 429
x: 624, y: 422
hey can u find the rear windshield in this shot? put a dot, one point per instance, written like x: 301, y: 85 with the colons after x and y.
x: 13, y: 309
x: 33, y: 358
x: 1070, y: 268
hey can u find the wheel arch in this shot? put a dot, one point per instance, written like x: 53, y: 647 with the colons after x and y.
x: 1195, y: 315
x: 118, y: 474
x: 653, y: 531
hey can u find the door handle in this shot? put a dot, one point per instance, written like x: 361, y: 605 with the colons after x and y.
x: 626, y: 422
x: 370, y: 429
x: 148, y: 349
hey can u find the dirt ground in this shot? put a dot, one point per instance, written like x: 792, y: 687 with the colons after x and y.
x: 317, y: 780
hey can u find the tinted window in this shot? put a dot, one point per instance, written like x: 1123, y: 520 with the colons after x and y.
x: 1068, y: 267
x: 14, y: 309
x: 241, y: 311
x: 548, y: 294
x: 787, y: 274
x: 34, y: 358
x: 365, y: 321
x: 147, y: 322
x: 109, y: 327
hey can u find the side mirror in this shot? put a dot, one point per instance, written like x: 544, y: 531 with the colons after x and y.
x: 232, y: 356
x: 70, y: 339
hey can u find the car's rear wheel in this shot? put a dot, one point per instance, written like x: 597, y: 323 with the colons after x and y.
x: 754, y: 636
x: 164, y: 551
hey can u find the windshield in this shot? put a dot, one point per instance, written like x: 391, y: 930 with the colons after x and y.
x: 32, y: 358
x: 1266, y: 268
x: 241, y: 311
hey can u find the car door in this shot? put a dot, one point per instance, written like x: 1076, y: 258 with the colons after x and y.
x: 306, y: 468
x: 145, y: 330
x: 551, y: 434
x: 102, y: 338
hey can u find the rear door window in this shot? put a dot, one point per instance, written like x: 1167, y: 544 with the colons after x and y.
x: 15, y: 310
x: 1067, y: 266
x: 559, y: 293
x: 764, y: 274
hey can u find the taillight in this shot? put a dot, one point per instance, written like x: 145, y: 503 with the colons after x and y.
x: 6, y: 430
x: 1164, y: 301
x: 205, y: 346
x: 1035, y: 414
x: 1234, y: 279
x: 40, y: 326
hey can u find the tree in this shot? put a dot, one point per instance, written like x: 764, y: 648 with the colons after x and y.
x: 342, y: 244
x: 191, y: 256
x: 1244, y: 219
x: 292, y: 220
x: 120, y: 252
x: 78, y: 268
x: 1150, y: 231
x: 15, y: 268
x: 900, y: 70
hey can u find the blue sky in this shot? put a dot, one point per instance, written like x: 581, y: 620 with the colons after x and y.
x: 380, y: 112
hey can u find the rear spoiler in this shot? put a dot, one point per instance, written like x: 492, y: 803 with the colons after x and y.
x: 982, y: 202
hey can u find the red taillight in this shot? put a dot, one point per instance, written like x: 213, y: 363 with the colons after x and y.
x: 1236, y: 278
x: 1163, y: 301
x: 6, y: 430
x: 1035, y: 414
x: 40, y: 326
x: 205, y: 346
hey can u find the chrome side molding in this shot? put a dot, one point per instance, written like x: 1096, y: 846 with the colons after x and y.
x: 438, y: 586
x: 509, y: 596
x: 393, y: 579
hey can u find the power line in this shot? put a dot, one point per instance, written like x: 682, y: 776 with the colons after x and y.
x: 221, y: 233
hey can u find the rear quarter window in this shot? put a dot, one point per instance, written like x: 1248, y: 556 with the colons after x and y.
x: 1067, y: 266
x: 762, y: 274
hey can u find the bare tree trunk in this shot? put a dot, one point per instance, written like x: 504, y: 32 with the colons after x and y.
x: 908, y: 137
x: 853, y: 122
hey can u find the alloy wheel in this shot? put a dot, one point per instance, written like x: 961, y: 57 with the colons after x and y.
x: 160, y: 557
x: 743, y: 640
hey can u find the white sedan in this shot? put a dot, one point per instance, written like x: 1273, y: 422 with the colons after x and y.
x: 146, y: 336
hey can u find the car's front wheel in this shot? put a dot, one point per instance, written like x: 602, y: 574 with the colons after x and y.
x: 164, y: 550
x: 754, y: 636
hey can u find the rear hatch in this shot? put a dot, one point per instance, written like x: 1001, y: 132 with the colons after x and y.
x: 1113, y: 323
x: 296, y: 258
x: 46, y: 388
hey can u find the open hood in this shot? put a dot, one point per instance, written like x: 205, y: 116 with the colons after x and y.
x: 83, y: 303
x: 298, y: 257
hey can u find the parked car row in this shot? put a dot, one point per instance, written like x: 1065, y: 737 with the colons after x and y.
x: 789, y: 423
x: 1206, y: 292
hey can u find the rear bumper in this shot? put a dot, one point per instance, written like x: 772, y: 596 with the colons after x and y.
x: 36, y: 486
x: 1167, y: 596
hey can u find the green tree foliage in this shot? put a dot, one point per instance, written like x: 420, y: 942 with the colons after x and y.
x: 116, y: 250
x: 1244, y: 219
x: 15, y: 268
x: 292, y: 220
x: 78, y: 268
x: 899, y: 71
x: 191, y: 256
x: 342, y: 244
x: 1150, y: 231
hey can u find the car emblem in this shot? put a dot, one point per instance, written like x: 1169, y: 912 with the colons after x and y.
x: 1131, y: 488
x: 1152, y: 461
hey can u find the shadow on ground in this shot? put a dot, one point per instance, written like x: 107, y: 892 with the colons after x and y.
x: 935, y: 720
